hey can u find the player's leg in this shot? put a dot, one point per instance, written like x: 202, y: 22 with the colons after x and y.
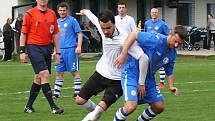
x: 35, y: 89
x: 112, y: 92
x: 130, y: 94
x: 58, y: 84
x: 162, y: 77
x: 150, y: 112
x: 72, y: 65
x: 60, y: 69
x: 123, y: 112
x: 155, y: 99
x: 42, y: 67
x: 92, y: 87
x: 77, y: 83
x: 130, y: 105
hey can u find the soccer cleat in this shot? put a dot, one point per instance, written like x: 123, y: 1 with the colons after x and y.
x: 92, y: 116
x: 57, y: 110
x: 161, y: 85
x: 29, y: 109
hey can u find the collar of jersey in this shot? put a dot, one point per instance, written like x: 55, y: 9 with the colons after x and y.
x: 115, y: 33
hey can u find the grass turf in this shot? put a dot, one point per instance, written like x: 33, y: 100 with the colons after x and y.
x: 193, y: 76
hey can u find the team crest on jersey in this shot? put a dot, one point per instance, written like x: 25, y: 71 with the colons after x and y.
x: 133, y: 93
x: 51, y: 29
x: 65, y: 25
x: 156, y: 28
x: 165, y: 60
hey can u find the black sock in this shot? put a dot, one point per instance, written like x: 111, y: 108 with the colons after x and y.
x: 35, y: 89
x: 48, y: 94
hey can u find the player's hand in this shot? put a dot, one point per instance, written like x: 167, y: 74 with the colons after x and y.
x: 57, y: 59
x: 120, y: 60
x: 174, y: 90
x: 23, y: 57
x: 141, y: 91
x: 78, y: 50
x: 81, y: 13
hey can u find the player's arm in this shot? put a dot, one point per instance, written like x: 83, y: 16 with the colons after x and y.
x: 23, y: 37
x: 92, y: 17
x: 57, y: 48
x: 172, y: 88
x: 23, y: 55
x: 133, y: 25
x: 136, y: 52
x: 170, y: 78
x: 127, y: 44
x: 166, y: 29
x: 80, y: 39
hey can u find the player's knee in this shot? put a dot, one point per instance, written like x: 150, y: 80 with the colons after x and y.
x: 76, y: 74
x: 130, y: 107
x: 158, y: 108
x: 79, y: 100
x: 59, y: 75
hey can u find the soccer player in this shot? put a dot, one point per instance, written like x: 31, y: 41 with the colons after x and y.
x: 38, y: 30
x: 126, y: 22
x: 70, y: 42
x: 161, y: 52
x: 157, y: 25
x: 107, y: 76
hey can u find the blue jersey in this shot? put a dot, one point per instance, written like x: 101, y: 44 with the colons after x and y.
x: 159, y: 26
x: 155, y: 46
x: 69, y: 28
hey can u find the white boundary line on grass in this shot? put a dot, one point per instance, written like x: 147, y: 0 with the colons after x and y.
x: 65, y: 88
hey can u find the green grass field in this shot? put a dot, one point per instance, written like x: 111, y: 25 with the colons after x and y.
x: 193, y: 76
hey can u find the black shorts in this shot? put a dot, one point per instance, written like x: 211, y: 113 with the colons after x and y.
x: 40, y: 57
x: 97, y: 83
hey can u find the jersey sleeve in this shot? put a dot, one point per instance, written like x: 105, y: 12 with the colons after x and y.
x: 56, y: 29
x: 165, y: 29
x: 133, y: 25
x: 76, y: 26
x: 26, y: 23
x: 169, y: 67
x: 135, y: 51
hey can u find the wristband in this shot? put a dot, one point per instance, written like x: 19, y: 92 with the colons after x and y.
x: 22, y: 49
x: 58, y: 53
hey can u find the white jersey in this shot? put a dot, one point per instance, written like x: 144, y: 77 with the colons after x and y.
x: 111, y: 50
x: 126, y: 23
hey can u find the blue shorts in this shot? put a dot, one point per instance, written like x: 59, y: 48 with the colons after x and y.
x: 130, y: 76
x: 40, y: 57
x: 69, y: 60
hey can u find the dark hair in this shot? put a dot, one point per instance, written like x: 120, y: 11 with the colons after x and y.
x: 122, y: 3
x: 181, y: 31
x: 63, y: 4
x: 106, y: 16
x: 211, y: 15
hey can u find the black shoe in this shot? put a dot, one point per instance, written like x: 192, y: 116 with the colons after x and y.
x: 57, y: 110
x: 29, y: 109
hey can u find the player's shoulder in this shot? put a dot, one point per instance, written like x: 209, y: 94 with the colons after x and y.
x: 71, y: 18
x: 50, y: 10
x: 129, y: 17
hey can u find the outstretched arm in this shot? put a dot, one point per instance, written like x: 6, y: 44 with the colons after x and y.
x: 127, y: 44
x: 92, y: 17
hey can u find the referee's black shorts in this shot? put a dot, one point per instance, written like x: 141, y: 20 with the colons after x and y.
x: 97, y: 83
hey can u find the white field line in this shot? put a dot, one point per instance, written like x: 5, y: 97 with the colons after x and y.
x: 65, y: 88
